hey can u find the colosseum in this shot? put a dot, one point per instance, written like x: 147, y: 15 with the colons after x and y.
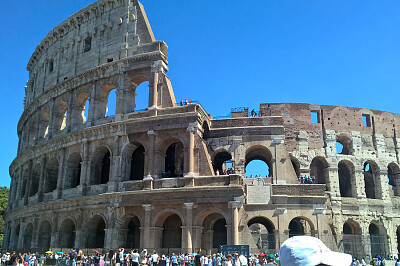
x: 171, y: 177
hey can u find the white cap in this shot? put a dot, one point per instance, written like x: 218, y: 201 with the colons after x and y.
x: 310, y: 251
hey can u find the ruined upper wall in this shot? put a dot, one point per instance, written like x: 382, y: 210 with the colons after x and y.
x: 379, y: 127
x: 103, y: 32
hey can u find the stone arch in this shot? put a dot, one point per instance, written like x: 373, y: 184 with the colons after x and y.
x: 352, y: 238
x: 25, y: 178
x: 262, y: 230
x: 296, y: 165
x: 44, y: 122
x: 214, y: 230
x: 174, y: 162
x: 32, y: 131
x: 132, y: 226
x: 96, y: 232
x: 34, y: 182
x: 137, y: 89
x: 44, y: 235
x: 203, y: 214
x: 81, y: 102
x: 393, y: 178
x: 318, y: 169
x: 300, y: 226
x: 220, y: 158
x: 101, y: 165
x: 347, y: 144
x: 103, y: 100
x: 74, y: 170
x: 133, y: 161
x: 378, y: 239
x: 262, y: 153
x: 347, y: 179
x: 28, y: 233
x: 172, y: 232
x: 67, y: 233
x: 16, y: 236
x: 60, y: 115
x: 371, y: 180
x: 160, y: 217
x: 51, y: 175
x: 206, y: 130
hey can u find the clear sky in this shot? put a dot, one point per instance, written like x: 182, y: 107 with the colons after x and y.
x: 234, y: 53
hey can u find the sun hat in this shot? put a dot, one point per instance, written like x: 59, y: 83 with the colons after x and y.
x: 261, y: 255
x: 271, y: 257
x: 310, y: 251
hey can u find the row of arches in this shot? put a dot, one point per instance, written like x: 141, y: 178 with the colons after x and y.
x: 86, y: 105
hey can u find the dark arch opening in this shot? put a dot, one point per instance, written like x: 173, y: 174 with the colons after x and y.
x: 35, y: 176
x: 378, y: 241
x: 263, y: 233
x: 67, y: 234
x: 174, y: 159
x: 74, y: 169
x: 352, y: 240
x: 296, y: 166
x: 347, y: 229
x: 345, y: 171
x: 105, y: 168
x: 297, y: 227
x: 219, y: 233
x: 50, y: 183
x: 369, y: 181
x: 393, y: 175
x: 16, y: 237
x: 28, y: 236
x: 137, y: 164
x: 317, y: 170
x: 96, y: 232
x: 44, y: 236
x: 133, y: 234
x: 172, y: 232
x: 220, y: 162
x: 206, y: 130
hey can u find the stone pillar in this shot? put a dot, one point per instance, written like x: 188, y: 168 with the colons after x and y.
x: 85, y: 169
x: 69, y: 113
x: 80, y: 238
x: 21, y: 234
x: 149, y: 160
x: 115, y: 164
x: 37, y: 127
x: 235, y: 205
x: 61, y: 171
x: 196, y: 242
x: 158, y: 68
x: 382, y: 186
x: 51, y: 119
x: 54, y: 240
x: 360, y: 188
x: 92, y: 104
x: 6, y: 236
x: 229, y: 234
x: 109, y: 238
x: 192, y: 130
x: 27, y: 184
x: 11, y: 244
x: 146, y: 228
x: 42, y: 178
x: 189, y: 226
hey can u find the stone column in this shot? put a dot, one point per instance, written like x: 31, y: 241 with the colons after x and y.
x: 196, y: 242
x: 12, y: 238
x: 115, y: 164
x: 110, y: 237
x: 92, y: 104
x: 360, y: 188
x: 51, y: 119
x: 146, y: 228
x: 60, y: 179
x: 382, y: 186
x: 27, y: 184
x: 192, y: 130
x: 69, y: 113
x: 85, y: 169
x: 6, y: 236
x: 158, y: 68
x: 54, y: 240
x: 189, y: 226
x: 149, y: 160
x: 229, y: 234
x: 42, y: 178
x: 21, y: 234
x: 235, y: 205
x: 37, y: 127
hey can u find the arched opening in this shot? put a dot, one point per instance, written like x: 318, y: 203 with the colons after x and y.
x: 344, y: 145
x: 44, y: 124
x: 73, y: 173
x: 221, y: 162
x: 378, y: 240
x: 51, y: 175
x: 317, y: 170
x: 299, y: 226
x: 174, y: 159
x: 28, y: 236
x: 141, y: 92
x: 258, y: 162
x: 44, y: 235
x: 32, y: 131
x: 137, y: 164
x: 346, y: 179
x: 206, y: 130
x: 393, y: 178
x: 263, y: 234
x: 60, y: 116
x: 16, y: 237
x: 96, y: 233
x: 296, y: 166
x: 214, y: 231
x: 35, y: 177
x: 101, y: 166
x: 370, y: 172
x: 25, y: 179
x: 112, y: 103
x: 67, y: 234
x: 133, y: 234
x: 81, y: 108
x: 352, y: 242
x: 172, y: 232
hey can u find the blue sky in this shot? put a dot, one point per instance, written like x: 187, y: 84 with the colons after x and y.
x: 234, y: 53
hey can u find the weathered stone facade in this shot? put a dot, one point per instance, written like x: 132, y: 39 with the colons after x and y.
x: 148, y: 179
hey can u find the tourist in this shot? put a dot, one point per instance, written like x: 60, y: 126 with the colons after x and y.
x: 154, y: 258
x: 310, y: 251
x: 271, y: 259
x: 229, y: 262
x: 14, y: 260
x: 261, y: 260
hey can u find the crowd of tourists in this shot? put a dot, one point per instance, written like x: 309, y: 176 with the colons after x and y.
x: 306, y: 179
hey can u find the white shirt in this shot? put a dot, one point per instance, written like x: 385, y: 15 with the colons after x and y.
x: 154, y: 258
x: 135, y: 257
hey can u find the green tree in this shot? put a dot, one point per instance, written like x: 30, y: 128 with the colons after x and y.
x: 3, y: 205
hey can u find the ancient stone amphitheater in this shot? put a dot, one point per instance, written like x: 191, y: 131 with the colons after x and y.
x: 149, y: 178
